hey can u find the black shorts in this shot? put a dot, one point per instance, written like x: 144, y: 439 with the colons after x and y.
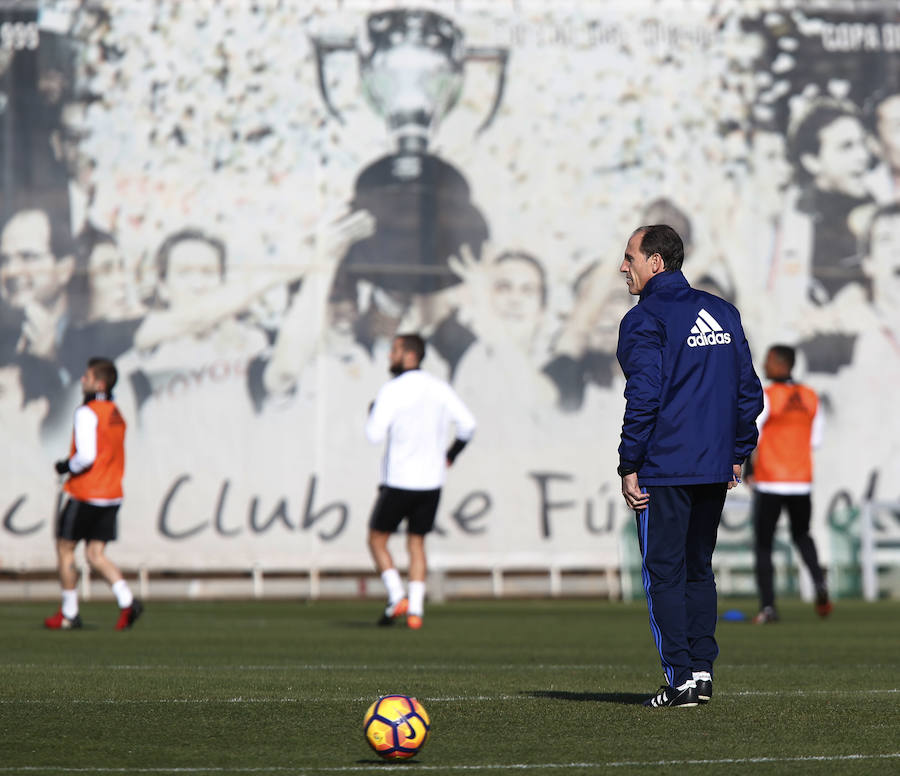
x: 91, y: 522
x: 418, y: 507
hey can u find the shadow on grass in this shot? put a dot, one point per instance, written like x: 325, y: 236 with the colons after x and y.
x: 385, y: 762
x: 362, y: 625
x: 626, y: 698
x: 88, y: 626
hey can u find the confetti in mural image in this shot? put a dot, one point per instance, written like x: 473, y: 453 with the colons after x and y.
x: 242, y: 203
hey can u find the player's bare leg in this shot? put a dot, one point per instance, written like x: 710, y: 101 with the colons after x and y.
x: 418, y: 567
x: 384, y: 563
x: 378, y: 541
x: 65, y: 558
x: 67, y: 617
x: 96, y: 558
x: 129, y: 607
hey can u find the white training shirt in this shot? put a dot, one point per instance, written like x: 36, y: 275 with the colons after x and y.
x: 85, y: 440
x: 413, y: 413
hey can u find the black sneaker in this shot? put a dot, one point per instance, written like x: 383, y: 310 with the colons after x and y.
x: 703, y: 680
x: 686, y: 695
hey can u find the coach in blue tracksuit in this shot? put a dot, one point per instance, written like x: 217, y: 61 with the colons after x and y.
x: 692, y: 398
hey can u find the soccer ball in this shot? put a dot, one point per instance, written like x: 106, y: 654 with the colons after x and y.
x: 396, y: 726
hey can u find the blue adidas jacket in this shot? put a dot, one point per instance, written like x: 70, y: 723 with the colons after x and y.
x: 692, y: 395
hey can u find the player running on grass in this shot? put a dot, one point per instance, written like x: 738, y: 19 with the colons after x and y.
x: 413, y: 413
x: 95, y: 467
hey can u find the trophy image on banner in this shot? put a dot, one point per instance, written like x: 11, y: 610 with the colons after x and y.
x: 411, y: 67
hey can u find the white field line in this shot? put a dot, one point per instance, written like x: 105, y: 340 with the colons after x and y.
x: 518, y: 697
x: 485, y: 767
x: 323, y: 667
x: 413, y: 667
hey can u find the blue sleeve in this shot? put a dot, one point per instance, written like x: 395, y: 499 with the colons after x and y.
x: 640, y: 356
x: 749, y: 403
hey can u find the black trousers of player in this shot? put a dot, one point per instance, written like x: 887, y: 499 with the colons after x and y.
x: 677, y: 535
x: 766, y: 511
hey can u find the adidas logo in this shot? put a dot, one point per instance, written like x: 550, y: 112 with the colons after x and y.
x: 707, y: 331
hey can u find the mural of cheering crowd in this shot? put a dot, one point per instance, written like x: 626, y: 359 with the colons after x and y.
x: 242, y: 204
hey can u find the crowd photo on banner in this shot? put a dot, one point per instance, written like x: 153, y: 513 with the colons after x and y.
x: 242, y: 204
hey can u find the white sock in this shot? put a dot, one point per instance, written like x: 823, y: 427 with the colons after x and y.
x: 702, y: 676
x: 688, y: 683
x: 393, y: 585
x: 123, y: 594
x: 70, y: 604
x: 417, y: 598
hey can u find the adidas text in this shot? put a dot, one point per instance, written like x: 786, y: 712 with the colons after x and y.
x: 710, y: 338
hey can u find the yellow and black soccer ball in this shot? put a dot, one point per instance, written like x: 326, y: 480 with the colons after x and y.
x: 396, y: 726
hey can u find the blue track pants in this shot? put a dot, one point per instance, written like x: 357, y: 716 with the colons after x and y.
x: 677, y: 535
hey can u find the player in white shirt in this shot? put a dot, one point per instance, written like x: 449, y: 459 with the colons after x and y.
x: 412, y: 414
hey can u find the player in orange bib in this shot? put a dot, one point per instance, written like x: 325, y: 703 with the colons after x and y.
x: 790, y: 426
x: 95, y: 467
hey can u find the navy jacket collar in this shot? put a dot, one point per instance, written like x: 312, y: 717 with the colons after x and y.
x: 673, y: 279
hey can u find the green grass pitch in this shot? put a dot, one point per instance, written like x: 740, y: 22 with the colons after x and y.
x: 534, y: 687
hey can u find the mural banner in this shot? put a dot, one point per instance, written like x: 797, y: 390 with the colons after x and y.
x: 242, y: 203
